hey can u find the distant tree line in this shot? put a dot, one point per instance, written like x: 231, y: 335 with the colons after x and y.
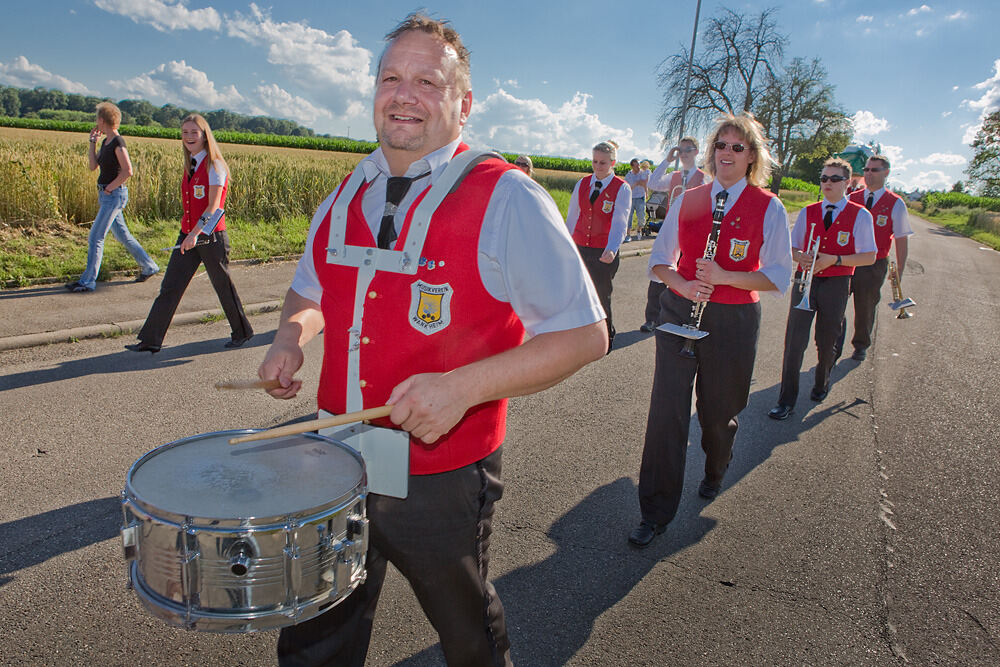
x: 53, y: 104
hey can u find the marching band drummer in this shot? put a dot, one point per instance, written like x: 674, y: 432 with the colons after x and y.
x: 673, y: 183
x: 847, y: 240
x: 754, y: 254
x: 444, y: 345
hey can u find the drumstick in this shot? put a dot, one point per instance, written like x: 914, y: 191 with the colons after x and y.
x: 315, y: 424
x: 249, y: 384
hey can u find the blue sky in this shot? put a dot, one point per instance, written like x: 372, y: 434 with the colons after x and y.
x: 548, y: 78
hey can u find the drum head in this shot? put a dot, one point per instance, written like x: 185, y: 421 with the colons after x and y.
x: 204, y: 476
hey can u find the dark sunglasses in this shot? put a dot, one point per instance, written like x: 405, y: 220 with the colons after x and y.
x: 521, y: 164
x: 876, y: 169
x: 737, y: 148
x: 836, y: 179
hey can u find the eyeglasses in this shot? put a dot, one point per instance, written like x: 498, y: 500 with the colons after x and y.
x: 521, y: 164
x: 836, y: 179
x: 876, y: 169
x: 691, y: 149
x: 737, y: 148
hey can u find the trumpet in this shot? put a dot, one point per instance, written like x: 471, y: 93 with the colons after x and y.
x: 898, y: 302
x: 673, y: 194
x: 806, y: 280
x: 691, y: 331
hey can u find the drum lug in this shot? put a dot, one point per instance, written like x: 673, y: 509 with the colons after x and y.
x: 130, y: 541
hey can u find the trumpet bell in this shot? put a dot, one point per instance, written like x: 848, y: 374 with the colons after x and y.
x: 683, y: 330
x: 903, y: 303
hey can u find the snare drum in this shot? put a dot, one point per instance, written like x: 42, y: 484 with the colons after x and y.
x: 249, y: 537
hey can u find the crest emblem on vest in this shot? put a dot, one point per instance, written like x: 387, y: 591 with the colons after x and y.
x: 843, y: 238
x: 199, y: 192
x: 881, y: 220
x: 608, y: 206
x: 738, y: 249
x: 430, y: 307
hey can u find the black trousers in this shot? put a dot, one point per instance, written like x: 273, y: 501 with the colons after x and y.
x: 866, y: 286
x: 602, y: 275
x: 438, y: 538
x: 180, y: 269
x: 653, y: 293
x: 720, y: 373
x: 828, y: 298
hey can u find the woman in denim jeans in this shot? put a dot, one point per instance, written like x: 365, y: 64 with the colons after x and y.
x: 116, y: 168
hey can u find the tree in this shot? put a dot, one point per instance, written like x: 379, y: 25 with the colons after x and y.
x: 984, y: 168
x: 729, y: 74
x: 959, y: 186
x: 799, y: 114
x: 10, y: 102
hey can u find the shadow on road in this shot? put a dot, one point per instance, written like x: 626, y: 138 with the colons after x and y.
x: 59, y: 288
x: 125, y: 361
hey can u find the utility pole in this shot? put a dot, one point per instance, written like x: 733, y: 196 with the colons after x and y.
x: 687, y: 81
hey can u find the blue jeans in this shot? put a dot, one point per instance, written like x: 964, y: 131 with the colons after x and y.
x: 109, y: 216
x: 639, y: 211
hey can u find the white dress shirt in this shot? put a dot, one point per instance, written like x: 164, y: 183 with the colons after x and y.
x: 775, y: 252
x: 900, y: 217
x: 660, y: 180
x: 215, y: 176
x: 619, y: 217
x: 526, y: 257
x: 864, y: 228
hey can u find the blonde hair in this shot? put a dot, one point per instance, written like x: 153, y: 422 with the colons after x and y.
x: 441, y: 31
x: 758, y: 171
x: 110, y: 114
x: 609, y: 147
x: 839, y: 162
x: 528, y: 163
x: 691, y: 140
x: 214, y: 157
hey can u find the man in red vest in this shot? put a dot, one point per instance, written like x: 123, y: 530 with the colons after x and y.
x: 674, y: 183
x: 424, y: 294
x: 597, y: 218
x: 891, y: 223
x: 846, y: 239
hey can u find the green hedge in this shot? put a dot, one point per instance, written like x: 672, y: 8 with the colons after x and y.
x: 955, y: 199
x: 799, y: 185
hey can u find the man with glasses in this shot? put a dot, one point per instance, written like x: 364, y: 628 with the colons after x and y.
x: 673, y: 183
x: 846, y: 239
x: 638, y: 180
x: 891, y: 222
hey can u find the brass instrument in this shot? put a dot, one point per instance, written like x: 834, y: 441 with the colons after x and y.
x: 691, y: 330
x: 674, y: 194
x: 898, y: 302
x: 806, y: 281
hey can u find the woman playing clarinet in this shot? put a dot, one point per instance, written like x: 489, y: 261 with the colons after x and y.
x: 713, y: 270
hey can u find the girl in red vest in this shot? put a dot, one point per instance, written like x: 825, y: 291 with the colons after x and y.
x: 202, y: 239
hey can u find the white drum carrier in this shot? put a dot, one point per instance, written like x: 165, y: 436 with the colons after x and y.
x: 242, y: 538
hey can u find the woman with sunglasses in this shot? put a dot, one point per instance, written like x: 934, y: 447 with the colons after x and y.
x: 202, y: 239
x: 523, y: 162
x: 753, y: 255
x: 846, y: 236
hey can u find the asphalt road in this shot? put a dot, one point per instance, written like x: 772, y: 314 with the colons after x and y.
x: 862, y: 531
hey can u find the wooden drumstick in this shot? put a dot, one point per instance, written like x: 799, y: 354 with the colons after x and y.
x: 315, y: 424
x: 249, y: 384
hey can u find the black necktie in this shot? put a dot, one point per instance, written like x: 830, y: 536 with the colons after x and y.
x: 870, y: 202
x: 191, y: 168
x: 596, y: 193
x: 395, y: 189
x: 828, y: 218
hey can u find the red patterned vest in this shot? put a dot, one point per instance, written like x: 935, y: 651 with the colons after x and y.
x: 594, y: 225
x: 740, y: 237
x: 432, y: 322
x: 838, y: 240
x: 882, y: 214
x: 194, y: 196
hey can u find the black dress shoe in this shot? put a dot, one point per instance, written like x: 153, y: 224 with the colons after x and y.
x: 143, y: 277
x: 818, y: 394
x: 143, y: 347
x: 780, y: 412
x: 647, y: 327
x: 645, y: 532
x: 238, y: 342
x: 859, y: 355
x: 707, y: 490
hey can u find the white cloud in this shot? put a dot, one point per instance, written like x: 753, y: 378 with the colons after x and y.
x: 895, y: 155
x: 947, y: 159
x: 986, y: 104
x: 864, y: 18
x: 954, y: 88
x: 867, y: 124
x: 164, y: 15
x: 279, y: 103
x: 929, y: 180
x: 945, y: 114
x: 960, y: 14
x: 178, y: 83
x: 922, y: 9
x: 531, y: 126
x: 333, y: 69
x: 21, y: 73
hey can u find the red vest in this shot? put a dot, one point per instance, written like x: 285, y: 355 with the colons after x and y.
x: 838, y: 240
x: 882, y: 214
x: 432, y: 322
x: 740, y: 237
x: 194, y: 196
x: 594, y: 224
x: 697, y: 178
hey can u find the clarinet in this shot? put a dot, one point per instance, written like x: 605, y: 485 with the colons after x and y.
x: 710, y: 247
